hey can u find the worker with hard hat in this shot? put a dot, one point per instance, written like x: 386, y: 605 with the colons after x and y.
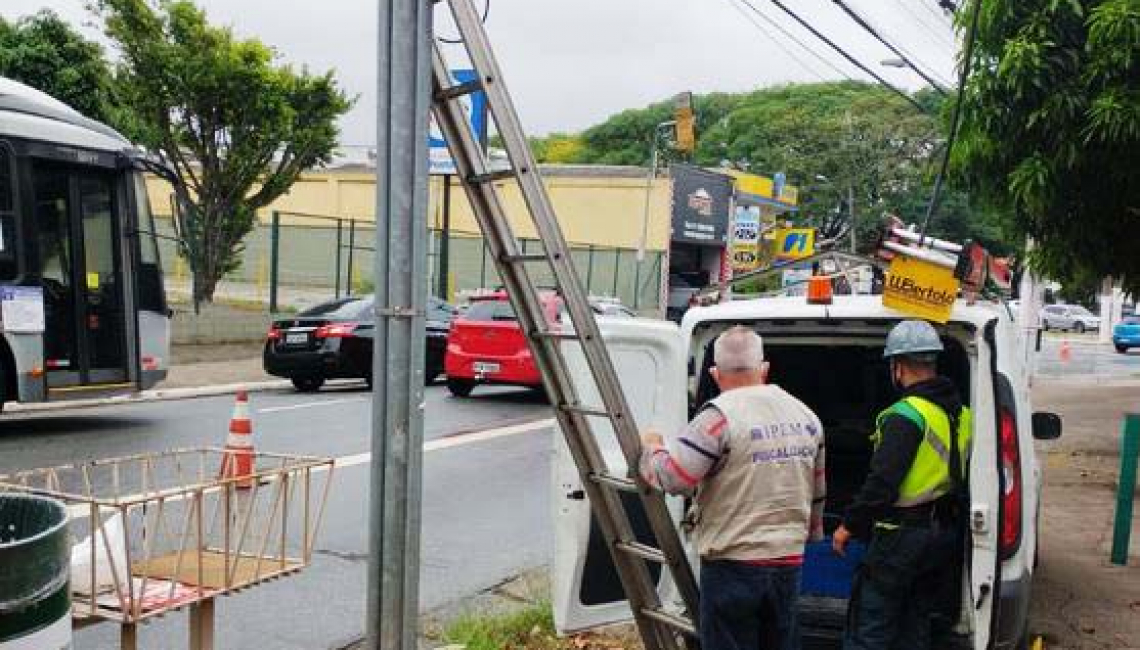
x: 912, y: 504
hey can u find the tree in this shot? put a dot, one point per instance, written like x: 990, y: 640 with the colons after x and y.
x: 44, y: 52
x: 558, y: 148
x: 237, y: 128
x: 1051, y: 130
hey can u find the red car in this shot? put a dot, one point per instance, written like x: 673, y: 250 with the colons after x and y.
x: 487, y: 346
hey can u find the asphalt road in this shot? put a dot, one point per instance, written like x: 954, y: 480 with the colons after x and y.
x: 485, y: 508
x: 1086, y: 359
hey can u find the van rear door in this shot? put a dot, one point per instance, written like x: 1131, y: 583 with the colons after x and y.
x: 985, y: 489
x: 650, y: 362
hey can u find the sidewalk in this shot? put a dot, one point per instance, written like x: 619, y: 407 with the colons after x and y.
x: 214, y: 365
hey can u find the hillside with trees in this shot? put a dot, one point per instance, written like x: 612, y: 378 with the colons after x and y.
x: 833, y: 140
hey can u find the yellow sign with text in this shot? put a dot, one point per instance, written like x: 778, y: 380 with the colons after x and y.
x: 921, y: 289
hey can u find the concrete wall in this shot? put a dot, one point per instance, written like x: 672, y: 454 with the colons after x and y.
x: 598, y: 205
x: 601, y: 210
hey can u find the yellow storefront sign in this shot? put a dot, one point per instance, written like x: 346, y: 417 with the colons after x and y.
x: 745, y: 257
x: 794, y: 243
x: 920, y: 289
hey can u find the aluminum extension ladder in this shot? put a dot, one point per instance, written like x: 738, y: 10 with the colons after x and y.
x: 660, y: 629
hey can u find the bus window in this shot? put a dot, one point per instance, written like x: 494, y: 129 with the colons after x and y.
x: 8, y: 266
x: 151, y: 293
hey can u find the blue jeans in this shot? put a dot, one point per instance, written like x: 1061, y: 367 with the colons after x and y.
x: 745, y: 607
x: 897, y: 588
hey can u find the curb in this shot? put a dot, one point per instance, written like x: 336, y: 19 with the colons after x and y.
x: 158, y: 395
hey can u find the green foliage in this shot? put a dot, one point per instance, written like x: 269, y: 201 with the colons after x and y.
x: 1051, y: 131
x: 558, y: 148
x: 237, y: 127
x: 514, y: 631
x: 831, y: 139
x: 44, y: 52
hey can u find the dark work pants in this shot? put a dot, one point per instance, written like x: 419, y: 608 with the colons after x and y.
x: 898, y: 587
x: 746, y: 607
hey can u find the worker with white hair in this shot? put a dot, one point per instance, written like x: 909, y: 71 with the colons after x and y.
x: 753, y: 458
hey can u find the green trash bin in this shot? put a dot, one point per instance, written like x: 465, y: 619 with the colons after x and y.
x: 35, y: 568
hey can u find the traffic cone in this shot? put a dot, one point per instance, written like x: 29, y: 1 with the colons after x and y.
x: 1066, y: 352
x: 237, y: 459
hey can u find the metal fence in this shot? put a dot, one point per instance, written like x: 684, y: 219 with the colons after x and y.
x: 299, y: 259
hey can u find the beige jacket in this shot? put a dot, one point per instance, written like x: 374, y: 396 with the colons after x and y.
x: 759, y: 504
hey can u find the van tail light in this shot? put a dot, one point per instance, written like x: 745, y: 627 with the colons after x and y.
x: 1012, y: 482
x: 335, y: 330
x: 273, y: 334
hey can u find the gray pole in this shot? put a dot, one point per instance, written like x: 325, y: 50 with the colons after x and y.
x: 445, y: 243
x: 339, y: 246
x: 403, y: 93
x: 851, y: 213
x: 274, y: 261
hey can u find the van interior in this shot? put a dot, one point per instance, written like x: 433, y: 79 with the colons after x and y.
x: 842, y: 376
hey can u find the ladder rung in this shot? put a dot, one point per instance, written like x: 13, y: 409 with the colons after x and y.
x: 491, y: 177
x: 459, y: 90
x: 616, y: 482
x: 643, y: 551
x: 585, y: 410
x: 673, y: 620
x: 525, y: 257
x: 558, y: 335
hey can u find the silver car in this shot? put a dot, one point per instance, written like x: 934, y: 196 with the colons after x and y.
x: 1069, y: 317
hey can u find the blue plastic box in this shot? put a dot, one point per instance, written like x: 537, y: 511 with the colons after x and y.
x: 827, y: 574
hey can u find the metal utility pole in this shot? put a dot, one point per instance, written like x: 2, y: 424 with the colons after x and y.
x: 851, y: 213
x: 444, y: 268
x: 643, y: 241
x: 404, y: 94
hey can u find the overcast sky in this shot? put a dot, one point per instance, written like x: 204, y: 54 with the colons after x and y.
x: 571, y: 63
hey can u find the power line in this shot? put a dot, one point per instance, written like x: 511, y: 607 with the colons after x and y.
x: 937, y: 75
x: 938, y: 34
x: 778, y: 43
x: 890, y: 46
x: 955, y: 120
x: 771, y: 21
x: 929, y: 6
x: 806, y: 25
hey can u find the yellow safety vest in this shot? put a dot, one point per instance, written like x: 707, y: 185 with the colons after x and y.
x: 929, y: 475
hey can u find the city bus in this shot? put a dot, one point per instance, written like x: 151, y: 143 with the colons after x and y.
x: 83, y: 309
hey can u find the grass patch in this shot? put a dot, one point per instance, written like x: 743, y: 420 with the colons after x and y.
x: 531, y: 628
x: 524, y: 629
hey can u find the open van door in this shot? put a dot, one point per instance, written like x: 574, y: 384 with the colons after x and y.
x: 650, y: 359
x: 985, y: 491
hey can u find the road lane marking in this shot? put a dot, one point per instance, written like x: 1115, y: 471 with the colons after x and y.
x: 450, y: 442
x: 82, y: 510
x: 305, y: 405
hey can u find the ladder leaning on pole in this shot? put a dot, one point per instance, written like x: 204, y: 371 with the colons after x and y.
x: 660, y: 629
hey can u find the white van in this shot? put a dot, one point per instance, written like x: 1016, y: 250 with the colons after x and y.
x: 830, y: 356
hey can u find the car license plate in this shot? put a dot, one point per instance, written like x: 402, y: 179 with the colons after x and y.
x: 484, y: 368
x: 296, y: 338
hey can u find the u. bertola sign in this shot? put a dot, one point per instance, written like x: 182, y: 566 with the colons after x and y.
x: 701, y: 201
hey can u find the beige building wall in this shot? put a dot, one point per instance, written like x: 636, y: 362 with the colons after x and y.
x: 603, y: 206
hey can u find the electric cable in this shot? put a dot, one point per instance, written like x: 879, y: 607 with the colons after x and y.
x: 859, y: 20
x: 771, y: 21
x: 929, y: 68
x: 938, y: 16
x: 941, y: 37
x: 955, y: 120
x: 886, y: 84
x: 778, y: 43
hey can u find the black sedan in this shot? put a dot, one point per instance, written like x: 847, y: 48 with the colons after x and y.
x: 334, y: 341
